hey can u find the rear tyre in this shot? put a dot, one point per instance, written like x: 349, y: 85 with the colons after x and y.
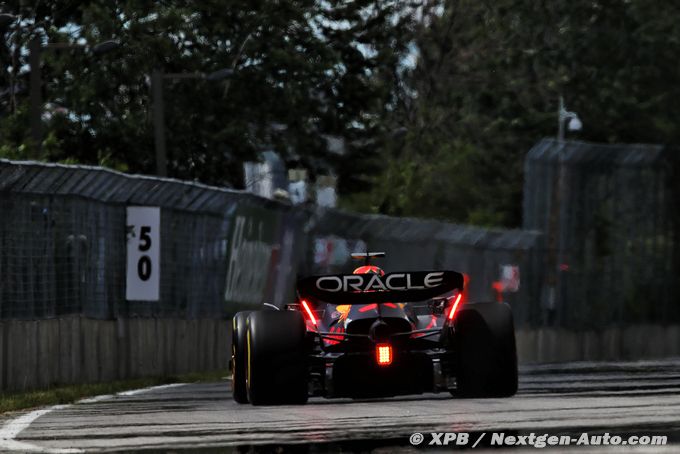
x: 239, y: 357
x: 486, y: 355
x: 277, y: 361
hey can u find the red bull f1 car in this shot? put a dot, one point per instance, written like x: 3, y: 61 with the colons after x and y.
x: 371, y: 334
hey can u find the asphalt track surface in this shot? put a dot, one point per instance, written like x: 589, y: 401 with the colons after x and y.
x: 641, y: 398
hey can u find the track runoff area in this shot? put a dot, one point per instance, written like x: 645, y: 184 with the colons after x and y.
x: 630, y: 407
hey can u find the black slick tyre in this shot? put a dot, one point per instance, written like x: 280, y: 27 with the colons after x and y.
x: 239, y: 357
x: 485, y: 351
x: 277, y: 362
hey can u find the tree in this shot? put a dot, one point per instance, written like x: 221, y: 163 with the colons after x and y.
x: 303, y: 70
x: 486, y: 85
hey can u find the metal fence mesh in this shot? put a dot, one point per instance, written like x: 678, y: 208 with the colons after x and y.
x: 611, y: 222
x: 63, y: 242
x: 54, y: 256
x: 600, y: 242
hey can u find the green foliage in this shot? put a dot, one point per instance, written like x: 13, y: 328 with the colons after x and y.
x: 486, y: 87
x: 304, y: 69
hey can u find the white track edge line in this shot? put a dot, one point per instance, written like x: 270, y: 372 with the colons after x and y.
x: 13, y: 427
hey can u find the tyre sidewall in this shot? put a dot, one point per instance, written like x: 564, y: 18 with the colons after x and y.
x: 485, y: 351
x: 238, y: 356
x: 277, y: 361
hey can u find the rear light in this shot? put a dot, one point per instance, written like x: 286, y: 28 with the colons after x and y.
x: 383, y: 354
x: 454, y: 308
x: 310, y: 314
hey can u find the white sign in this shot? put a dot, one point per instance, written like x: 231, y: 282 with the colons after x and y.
x: 326, y: 197
x: 509, y: 278
x: 298, y: 192
x: 143, y: 253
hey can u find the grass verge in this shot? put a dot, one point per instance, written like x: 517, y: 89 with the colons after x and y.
x: 70, y: 393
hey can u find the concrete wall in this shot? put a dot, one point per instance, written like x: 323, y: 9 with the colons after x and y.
x: 38, y: 354
x: 42, y: 353
x: 610, y: 344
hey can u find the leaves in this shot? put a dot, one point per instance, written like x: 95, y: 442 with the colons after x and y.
x: 436, y: 102
x: 303, y: 70
x: 486, y: 87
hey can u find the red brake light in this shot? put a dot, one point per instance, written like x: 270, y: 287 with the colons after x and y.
x: 309, y: 312
x: 383, y: 354
x: 454, y: 308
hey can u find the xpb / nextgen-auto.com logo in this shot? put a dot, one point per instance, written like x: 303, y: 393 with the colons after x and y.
x: 501, y: 439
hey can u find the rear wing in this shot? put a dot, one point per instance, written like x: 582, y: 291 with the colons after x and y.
x: 372, y: 288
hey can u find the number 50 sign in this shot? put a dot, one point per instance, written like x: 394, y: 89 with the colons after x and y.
x: 143, y: 253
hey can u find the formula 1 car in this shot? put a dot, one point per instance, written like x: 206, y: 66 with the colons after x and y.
x: 371, y: 334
